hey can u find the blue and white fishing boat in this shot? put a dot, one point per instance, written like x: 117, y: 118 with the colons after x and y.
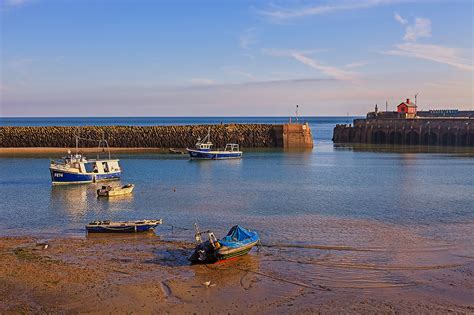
x: 203, y: 150
x: 76, y: 169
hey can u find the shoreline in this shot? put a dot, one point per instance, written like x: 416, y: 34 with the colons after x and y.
x: 56, y: 150
x: 127, y: 273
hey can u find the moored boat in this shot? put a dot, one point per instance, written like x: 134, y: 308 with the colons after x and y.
x: 77, y: 169
x: 109, y: 191
x: 122, y: 226
x: 239, y: 241
x: 203, y: 150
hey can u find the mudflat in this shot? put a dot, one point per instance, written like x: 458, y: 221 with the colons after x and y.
x: 145, y: 274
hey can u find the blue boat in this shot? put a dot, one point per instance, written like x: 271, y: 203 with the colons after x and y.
x: 122, y: 227
x: 77, y: 169
x: 239, y: 241
x: 203, y: 150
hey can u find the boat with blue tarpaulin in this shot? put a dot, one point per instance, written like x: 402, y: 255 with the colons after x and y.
x: 238, y: 241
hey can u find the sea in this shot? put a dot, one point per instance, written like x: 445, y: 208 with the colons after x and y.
x: 383, y: 199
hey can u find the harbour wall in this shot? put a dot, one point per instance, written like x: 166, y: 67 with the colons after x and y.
x: 417, y: 131
x: 246, y: 135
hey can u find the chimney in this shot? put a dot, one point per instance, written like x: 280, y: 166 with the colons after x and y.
x: 408, y: 101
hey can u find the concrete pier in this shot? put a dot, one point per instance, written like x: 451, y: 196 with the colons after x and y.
x: 246, y: 135
x: 417, y: 131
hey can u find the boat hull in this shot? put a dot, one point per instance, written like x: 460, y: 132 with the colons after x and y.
x: 224, y: 252
x: 61, y: 177
x: 213, y: 155
x: 120, y: 229
x: 121, y: 191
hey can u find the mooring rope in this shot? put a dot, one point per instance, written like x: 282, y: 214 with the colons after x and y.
x: 177, y: 227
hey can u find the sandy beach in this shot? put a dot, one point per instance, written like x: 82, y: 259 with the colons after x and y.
x: 143, y: 274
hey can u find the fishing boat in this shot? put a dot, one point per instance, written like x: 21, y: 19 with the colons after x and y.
x: 203, y: 150
x: 109, y: 191
x: 77, y: 169
x: 122, y: 226
x: 239, y: 241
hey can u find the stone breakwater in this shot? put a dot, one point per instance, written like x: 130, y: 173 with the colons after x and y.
x: 420, y: 131
x: 247, y: 135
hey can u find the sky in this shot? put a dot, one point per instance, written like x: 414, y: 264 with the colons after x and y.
x: 233, y: 58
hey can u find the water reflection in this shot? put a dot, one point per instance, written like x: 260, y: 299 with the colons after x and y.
x: 72, y: 199
x: 361, y: 147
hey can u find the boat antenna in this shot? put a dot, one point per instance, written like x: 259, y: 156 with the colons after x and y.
x: 208, y: 136
x: 77, y: 140
x: 297, y: 120
x: 416, y: 96
x: 197, y: 236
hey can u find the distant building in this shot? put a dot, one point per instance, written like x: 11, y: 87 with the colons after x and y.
x: 407, y: 109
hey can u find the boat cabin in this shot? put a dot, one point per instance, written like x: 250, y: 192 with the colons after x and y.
x: 231, y: 147
x: 100, y: 166
x: 206, y: 146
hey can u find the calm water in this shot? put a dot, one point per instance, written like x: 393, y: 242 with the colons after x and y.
x: 270, y: 190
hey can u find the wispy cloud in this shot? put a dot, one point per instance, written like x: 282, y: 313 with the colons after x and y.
x: 302, y: 57
x: 421, y: 28
x: 202, y: 81
x: 355, y: 65
x: 244, y: 74
x: 248, y: 38
x: 330, y: 7
x: 332, y: 72
x: 441, y: 54
x: 399, y: 19
x: 288, y: 52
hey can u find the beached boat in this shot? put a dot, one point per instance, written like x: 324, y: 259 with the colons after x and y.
x: 203, y: 150
x: 238, y: 242
x: 109, y: 191
x: 122, y: 226
x: 77, y: 169
x: 174, y: 151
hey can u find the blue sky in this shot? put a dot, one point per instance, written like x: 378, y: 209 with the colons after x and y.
x: 219, y: 58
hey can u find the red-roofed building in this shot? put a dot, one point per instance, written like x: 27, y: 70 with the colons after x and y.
x: 407, y: 109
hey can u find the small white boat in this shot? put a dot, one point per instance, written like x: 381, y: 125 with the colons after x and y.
x: 203, y: 150
x: 109, y: 191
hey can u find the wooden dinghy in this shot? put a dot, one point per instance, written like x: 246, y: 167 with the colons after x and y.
x: 122, y: 226
x: 109, y: 191
x: 174, y: 151
x: 239, y: 241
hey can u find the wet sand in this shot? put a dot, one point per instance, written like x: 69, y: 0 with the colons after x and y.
x: 145, y: 274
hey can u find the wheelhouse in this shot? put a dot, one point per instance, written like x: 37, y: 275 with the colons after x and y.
x: 231, y: 147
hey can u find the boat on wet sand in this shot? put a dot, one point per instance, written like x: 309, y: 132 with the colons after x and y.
x: 239, y: 241
x: 122, y: 226
x: 203, y: 150
x: 109, y: 191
